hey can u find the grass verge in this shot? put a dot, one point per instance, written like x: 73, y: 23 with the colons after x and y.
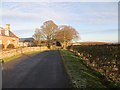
x: 17, y: 56
x: 11, y: 58
x: 31, y: 52
x: 81, y: 75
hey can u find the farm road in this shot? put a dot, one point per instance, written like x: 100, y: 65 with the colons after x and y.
x: 40, y: 70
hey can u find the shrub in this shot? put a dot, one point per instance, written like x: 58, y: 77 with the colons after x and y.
x: 10, y: 46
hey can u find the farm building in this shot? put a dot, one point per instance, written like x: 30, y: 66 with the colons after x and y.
x: 26, y: 42
x: 7, y: 38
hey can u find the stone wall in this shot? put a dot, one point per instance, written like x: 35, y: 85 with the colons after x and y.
x: 6, y: 40
x: 18, y: 51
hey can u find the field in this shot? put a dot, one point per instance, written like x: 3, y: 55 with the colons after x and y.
x: 102, y: 58
x: 91, y: 43
x: 80, y: 75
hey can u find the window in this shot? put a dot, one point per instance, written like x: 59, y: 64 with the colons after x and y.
x: 7, y: 32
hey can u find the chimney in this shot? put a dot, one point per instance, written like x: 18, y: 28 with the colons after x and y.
x: 8, y: 26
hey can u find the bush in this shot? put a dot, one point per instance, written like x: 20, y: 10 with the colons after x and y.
x: 1, y: 46
x: 10, y: 46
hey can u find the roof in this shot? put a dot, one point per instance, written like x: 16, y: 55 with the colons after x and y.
x: 26, y: 39
x: 9, y: 33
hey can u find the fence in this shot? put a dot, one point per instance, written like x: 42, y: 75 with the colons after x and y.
x: 18, y: 51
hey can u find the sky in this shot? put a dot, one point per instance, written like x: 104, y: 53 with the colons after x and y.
x: 95, y: 21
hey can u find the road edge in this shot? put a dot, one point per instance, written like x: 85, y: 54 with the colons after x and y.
x: 70, y: 85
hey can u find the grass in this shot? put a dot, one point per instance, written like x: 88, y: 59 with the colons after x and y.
x: 31, y: 52
x: 80, y: 74
x: 11, y: 58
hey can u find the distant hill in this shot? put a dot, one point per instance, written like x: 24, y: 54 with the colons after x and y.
x: 92, y: 43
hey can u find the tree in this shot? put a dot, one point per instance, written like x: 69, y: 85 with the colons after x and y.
x: 66, y: 34
x: 37, y: 36
x: 49, y: 29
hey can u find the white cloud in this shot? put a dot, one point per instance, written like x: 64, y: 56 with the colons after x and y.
x: 61, y: 0
x: 61, y: 12
x: 30, y: 15
x: 37, y: 12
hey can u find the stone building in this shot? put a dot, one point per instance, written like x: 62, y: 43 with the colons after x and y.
x: 7, y: 37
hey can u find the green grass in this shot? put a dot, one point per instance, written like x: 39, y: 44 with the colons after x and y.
x: 11, y: 58
x: 31, y: 52
x: 81, y: 75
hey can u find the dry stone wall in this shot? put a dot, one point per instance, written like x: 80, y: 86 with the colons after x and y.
x: 18, y: 51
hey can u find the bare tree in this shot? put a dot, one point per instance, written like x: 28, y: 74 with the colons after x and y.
x: 66, y: 34
x: 50, y: 32
x: 49, y: 29
x: 37, y: 36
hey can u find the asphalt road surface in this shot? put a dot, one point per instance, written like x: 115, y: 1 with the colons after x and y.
x: 40, y: 70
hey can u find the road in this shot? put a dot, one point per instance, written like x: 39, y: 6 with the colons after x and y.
x: 40, y: 70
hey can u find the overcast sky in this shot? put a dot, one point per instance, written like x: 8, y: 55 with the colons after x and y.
x: 95, y: 21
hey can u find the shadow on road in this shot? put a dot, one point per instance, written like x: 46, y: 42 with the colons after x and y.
x: 40, y: 70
